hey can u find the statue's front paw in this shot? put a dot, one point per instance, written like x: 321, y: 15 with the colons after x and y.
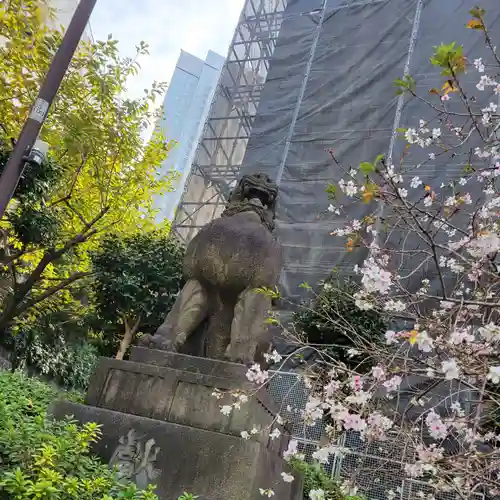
x: 163, y: 344
x: 157, y: 342
x: 240, y: 353
x: 145, y: 340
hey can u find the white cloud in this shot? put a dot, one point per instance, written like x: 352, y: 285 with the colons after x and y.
x: 192, y: 25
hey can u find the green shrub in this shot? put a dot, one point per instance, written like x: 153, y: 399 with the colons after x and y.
x: 54, y: 344
x: 69, y: 365
x: 45, y: 459
x: 136, y: 281
x: 333, y: 319
x: 315, y: 478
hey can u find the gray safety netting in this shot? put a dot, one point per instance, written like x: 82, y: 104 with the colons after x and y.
x: 306, y: 76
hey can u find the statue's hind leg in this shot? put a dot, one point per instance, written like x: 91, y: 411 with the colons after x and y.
x: 189, y: 310
x: 249, y: 326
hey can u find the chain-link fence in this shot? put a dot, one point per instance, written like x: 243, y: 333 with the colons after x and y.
x: 376, y: 468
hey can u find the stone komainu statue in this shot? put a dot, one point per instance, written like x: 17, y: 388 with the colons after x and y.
x: 219, y: 314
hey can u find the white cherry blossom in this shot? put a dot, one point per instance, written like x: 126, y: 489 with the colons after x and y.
x: 450, y: 369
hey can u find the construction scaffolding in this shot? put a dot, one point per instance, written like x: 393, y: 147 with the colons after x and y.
x: 220, y: 153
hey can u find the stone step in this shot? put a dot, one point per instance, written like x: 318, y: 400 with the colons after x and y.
x: 188, y: 363
x: 178, y: 458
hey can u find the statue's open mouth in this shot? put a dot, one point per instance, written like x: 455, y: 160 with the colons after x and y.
x: 258, y: 196
x: 255, y: 193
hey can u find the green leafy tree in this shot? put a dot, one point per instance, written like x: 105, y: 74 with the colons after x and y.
x: 101, y: 176
x: 137, y: 279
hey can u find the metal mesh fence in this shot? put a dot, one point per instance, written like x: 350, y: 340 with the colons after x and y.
x: 413, y: 489
x: 376, y: 468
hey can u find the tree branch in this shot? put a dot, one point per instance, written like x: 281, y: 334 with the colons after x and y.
x: 128, y: 336
x: 78, y: 214
x: 73, y: 182
x: 465, y: 302
x: 48, y: 292
x: 18, y: 296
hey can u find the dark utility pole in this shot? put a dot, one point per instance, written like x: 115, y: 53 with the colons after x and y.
x: 15, y: 166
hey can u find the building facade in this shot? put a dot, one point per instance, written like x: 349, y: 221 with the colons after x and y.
x: 64, y: 10
x: 185, y: 109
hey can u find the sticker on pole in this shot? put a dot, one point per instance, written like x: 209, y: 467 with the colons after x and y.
x: 39, y: 110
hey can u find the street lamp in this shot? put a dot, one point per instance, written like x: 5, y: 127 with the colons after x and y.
x: 27, y: 148
x: 38, y: 153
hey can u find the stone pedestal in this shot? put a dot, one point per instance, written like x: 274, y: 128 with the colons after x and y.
x: 162, y: 425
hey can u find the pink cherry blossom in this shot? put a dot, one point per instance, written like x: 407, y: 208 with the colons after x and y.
x: 354, y: 422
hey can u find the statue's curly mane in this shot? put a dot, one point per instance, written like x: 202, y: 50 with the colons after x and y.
x: 265, y: 188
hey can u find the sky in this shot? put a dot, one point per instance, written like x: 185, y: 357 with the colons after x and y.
x: 167, y: 26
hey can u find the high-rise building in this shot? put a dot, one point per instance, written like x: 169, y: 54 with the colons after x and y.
x: 185, y: 110
x: 64, y: 10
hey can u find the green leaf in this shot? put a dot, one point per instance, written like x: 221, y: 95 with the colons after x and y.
x: 271, y: 321
x: 468, y: 169
x: 269, y: 292
x: 449, y: 57
x: 405, y: 84
x: 366, y: 167
x: 477, y: 12
x: 331, y: 189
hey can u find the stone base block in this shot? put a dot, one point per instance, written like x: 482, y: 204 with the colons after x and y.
x: 179, y: 388
x: 180, y: 458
